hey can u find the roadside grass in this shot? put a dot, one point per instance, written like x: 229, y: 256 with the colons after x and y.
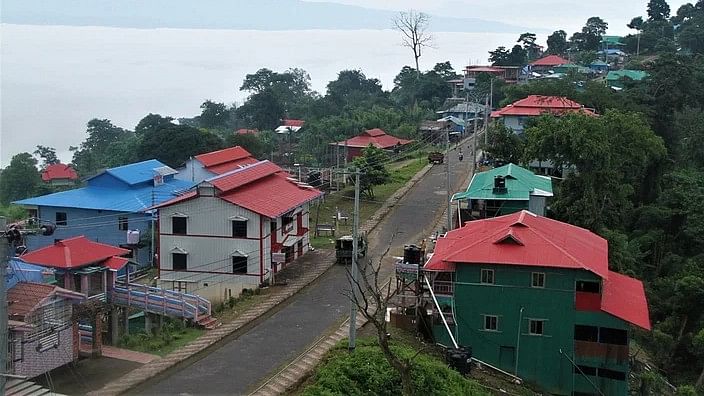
x: 324, y: 213
x: 172, y: 336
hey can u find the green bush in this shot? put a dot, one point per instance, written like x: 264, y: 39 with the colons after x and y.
x: 366, y: 372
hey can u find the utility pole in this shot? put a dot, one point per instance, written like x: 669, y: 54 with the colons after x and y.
x: 486, y: 121
x: 447, y: 182
x: 474, y: 142
x: 337, y: 167
x: 355, y: 270
x: 153, y: 250
x: 4, y: 252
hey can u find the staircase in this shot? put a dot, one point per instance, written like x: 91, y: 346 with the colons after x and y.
x: 20, y: 387
x: 165, y: 302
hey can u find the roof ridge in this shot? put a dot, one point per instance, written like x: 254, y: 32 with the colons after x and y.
x: 241, y: 169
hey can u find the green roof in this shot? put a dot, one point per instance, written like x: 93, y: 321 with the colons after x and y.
x: 598, y: 62
x: 635, y: 75
x: 520, y: 185
x: 612, y: 40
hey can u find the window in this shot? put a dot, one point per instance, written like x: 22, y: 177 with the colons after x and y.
x: 538, y: 279
x: 180, y: 262
x: 122, y: 224
x: 491, y: 322
x: 239, y: 264
x: 587, y: 370
x: 535, y: 327
x: 272, y: 228
x: 488, y: 276
x: 61, y: 218
x: 586, y: 333
x: 613, y: 336
x: 287, y: 223
x: 588, y: 286
x: 612, y: 374
x: 239, y: 228
x: 179, y: 225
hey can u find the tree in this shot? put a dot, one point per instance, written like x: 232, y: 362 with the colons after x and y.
x: 689, y: 21
x: 658, y: 10
x: 557, y: 43
x: 528, y: 40
x: 504, y: 144
x: 93, y: 153
x: 518, y: 56
x: 352, y: 87
x: 698, y: 343
x: 500, y: 57
x: 413, y: 26
x: 174, y: 145
x: 636, y: 24
x: 214, y: 115
x: 590, y: 36
x: 372, y: 165
x: 285, y: 88
x: 252, y: 143
x: 47, y: 154
x: 262, y: 110
x: 445, y: 70
x: 20, y: 179
x: 150, y: 123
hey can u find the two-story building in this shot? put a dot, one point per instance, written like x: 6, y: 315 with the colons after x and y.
x: 535, y: 297
x: 207, y: 165
x: 108, y: 207
x: 515, y: 115
x: 59, y: 175
x: 221, y: 236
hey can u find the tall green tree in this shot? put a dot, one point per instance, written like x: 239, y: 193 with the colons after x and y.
x: 150, y: 123
x: 504, y: 144
x: 689, y: 21
x: 372, y: 165
x: 93, y: 153
x: 262, y: 110
x: 658, y: 10
x: 557, y: 43
x: 589, y: 38
x: 47, y: 154
x: 175, y: 144
x: 20, y: 179
x: 214, y: 115
x: 528, y: 40
x: 353, y: 88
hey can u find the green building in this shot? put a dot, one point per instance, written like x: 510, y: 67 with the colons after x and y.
x: 505, y: 190
x: 615, y: 78
x: 534, y: 297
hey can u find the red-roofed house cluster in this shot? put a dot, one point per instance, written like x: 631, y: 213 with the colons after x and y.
x: 222, y: 236
x: 515, y: 115
x: 375, y: 137
x: 535, y: 297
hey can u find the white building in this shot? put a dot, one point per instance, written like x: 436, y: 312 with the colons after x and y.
x: 219, y: 237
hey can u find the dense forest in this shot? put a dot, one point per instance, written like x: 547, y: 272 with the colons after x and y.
x: 635, y: 173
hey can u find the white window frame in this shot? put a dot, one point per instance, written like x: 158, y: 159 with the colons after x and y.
x: 542, y: 327
x: 487, y: 271
x: 532, y: 280
x: 496, y: 320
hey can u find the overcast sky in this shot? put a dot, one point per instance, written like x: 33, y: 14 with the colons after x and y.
x: 547, y: 14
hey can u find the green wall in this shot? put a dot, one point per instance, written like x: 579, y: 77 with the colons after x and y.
x: 541, y: 358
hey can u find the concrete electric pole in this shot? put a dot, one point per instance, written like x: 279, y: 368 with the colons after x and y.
x: 355, y: 269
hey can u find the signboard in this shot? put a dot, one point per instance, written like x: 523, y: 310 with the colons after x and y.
x: 278, y: 257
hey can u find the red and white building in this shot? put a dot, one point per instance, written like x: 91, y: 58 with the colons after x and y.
x: 289, y: 125
x: 517, y: 113
x: 221, y: 236
x: 376, y: 137
x: 59, y: 175
x: 205, y: 166
x: 547, y: 63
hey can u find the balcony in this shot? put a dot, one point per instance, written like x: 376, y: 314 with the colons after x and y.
x: 588, y: 349
x: 444, y: 288
x: 586, y: 301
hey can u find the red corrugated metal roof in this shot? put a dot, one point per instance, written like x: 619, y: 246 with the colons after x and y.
x: 24, y: 297
x: 292, y: 123
x: 245, y: 131
x: 535, y: 105
x: 624, y: 298
x: 115, y: 263
x: 523, y: 238
x: 485, y: 69
x: 72, y: 253
x: 271, y: 195
x: 232, y: 165
x: 223, y: 156
x: 550, y: 60
x: 242, y: 176
x: 59, y: 171
x: 376, y: 137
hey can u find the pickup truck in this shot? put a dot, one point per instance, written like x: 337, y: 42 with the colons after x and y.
x: 436, y: 157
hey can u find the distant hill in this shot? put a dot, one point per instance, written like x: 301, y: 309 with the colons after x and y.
x: 223, y: 14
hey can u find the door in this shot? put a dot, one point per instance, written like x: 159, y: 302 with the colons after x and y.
x: 507, y: 358
x: 300, y: 248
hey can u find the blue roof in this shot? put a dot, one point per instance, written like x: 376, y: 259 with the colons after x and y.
x: 19, y: 271
x: 136, y: 173
x: 125, y: 199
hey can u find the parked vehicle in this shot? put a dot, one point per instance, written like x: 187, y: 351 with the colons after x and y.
x: 343, y: 249
x: 436, y: 157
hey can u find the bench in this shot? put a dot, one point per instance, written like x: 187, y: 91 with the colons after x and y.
x: 327, y: 228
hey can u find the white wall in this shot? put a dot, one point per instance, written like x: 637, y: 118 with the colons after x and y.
x: 193, y: 171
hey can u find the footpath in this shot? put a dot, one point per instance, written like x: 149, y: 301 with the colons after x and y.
x: 314, y: 265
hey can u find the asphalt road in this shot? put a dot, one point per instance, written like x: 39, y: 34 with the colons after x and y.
x: 242, y: 363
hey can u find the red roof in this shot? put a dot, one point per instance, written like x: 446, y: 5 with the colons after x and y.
x: 115, y: 263
x: 245, y: 131
x: 485, y: 69
x: 24, y: 297
x: 226, y: 160
x: 535, y: 105
x: 59, y: 171
x: 624, y: 297
x: 376, y: 137
x: 72, y: 253
x: 550, y: 60
x: 240, y: 177
x: 526, y: 239
x: 292, y: 123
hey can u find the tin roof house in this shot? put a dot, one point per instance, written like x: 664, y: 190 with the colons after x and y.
x: 515, y: 115
x: 59, y: 175
x: 233, y: 231
x: 111, y: 206
x: 376, y: 137
x: 535, y: 297
x: 207, y: 165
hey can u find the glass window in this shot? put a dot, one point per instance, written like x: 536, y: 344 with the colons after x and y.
x: 180, y: 262
x: 61, y: 218
x: 535, y: 327
x: 488, y: 276
x: 239, y: 265
x: 586, y: 333
x: 122, y: 223
x: 287, y: 223
x: 491, y: 322
x: 179, y: 225
x: 612, y: 374
x: 588, y: 286
x: 538, y: 279
x: 239, y: 228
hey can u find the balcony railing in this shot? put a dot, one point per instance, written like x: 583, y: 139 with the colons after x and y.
x: 588, y: 349
x: 444, y: 288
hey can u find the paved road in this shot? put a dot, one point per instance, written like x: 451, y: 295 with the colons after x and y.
x: 244, y: 362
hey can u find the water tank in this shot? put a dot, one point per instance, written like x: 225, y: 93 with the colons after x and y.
x: 411, y: 254
x: 132, y: 237
x: 459, y: 359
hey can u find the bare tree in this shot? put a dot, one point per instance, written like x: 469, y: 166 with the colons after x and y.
x: 413, y: 26
x: 372, y: 299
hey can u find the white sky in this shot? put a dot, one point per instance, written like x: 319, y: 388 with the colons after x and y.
x: 546, y: 14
